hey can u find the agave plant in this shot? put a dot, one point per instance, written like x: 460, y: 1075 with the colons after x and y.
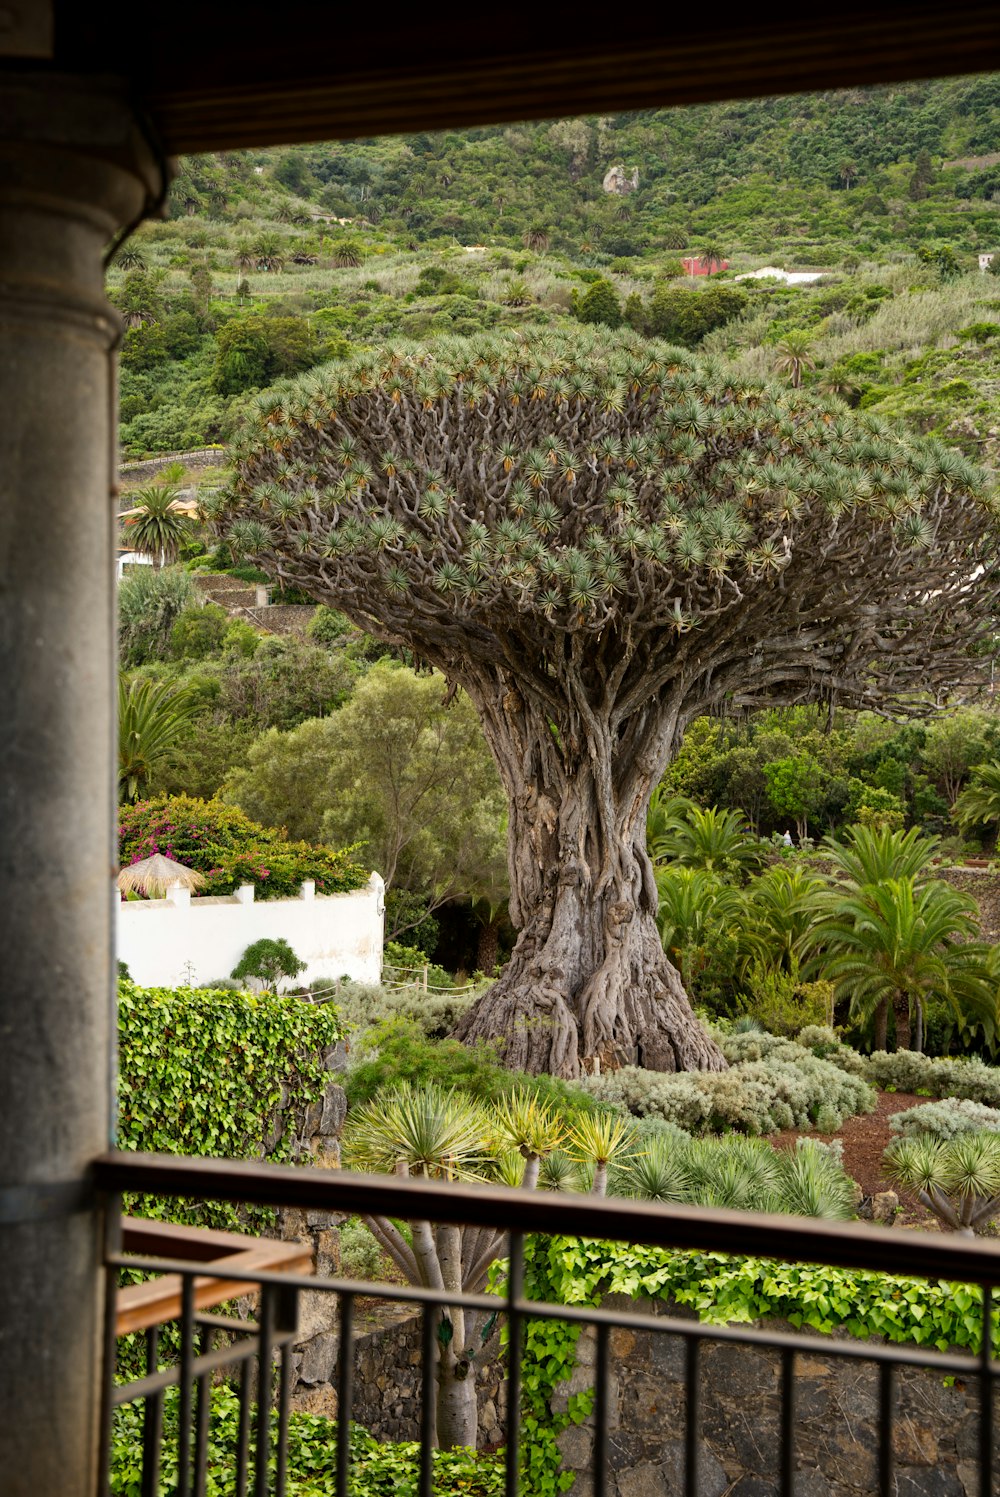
x: 740, y: 1174
x: 958, y: 1179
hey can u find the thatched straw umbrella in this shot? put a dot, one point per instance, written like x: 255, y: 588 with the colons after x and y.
x: 154, y: 876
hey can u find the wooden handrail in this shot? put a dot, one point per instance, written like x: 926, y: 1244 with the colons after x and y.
x: 140, y: 1306
x: 935, y: 1255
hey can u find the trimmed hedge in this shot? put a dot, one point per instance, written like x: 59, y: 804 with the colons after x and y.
x: 211, y: 1072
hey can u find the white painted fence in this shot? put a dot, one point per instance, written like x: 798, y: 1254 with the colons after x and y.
x: 184, y: 939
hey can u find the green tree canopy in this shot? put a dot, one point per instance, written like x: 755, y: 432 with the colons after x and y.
x: 398, y: 770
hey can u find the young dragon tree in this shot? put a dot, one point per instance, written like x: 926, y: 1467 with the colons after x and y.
x: 599, y: 538
x: 411, y: 1131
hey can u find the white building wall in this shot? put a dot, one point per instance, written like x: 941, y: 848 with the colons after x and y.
x: 180, y: 939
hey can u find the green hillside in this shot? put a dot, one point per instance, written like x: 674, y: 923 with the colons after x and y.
x: 888, y: 191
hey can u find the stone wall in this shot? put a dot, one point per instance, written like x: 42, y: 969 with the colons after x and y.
x: 984, y: 886
x: 836, y: 1422
x: 203, y: 457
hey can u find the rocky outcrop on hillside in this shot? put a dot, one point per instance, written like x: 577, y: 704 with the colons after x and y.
x: 618, y: 180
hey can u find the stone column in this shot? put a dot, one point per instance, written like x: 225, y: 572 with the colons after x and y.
x: 74, y: 167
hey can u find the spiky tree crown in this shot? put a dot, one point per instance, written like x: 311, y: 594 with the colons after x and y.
x: 507, y: 499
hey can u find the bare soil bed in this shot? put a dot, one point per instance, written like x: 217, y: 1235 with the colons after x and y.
x: 865, y: 1139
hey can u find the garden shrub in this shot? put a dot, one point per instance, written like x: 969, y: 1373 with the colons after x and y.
x: 782, y: 1003
x: 772, y: 1084
x: 361, y: 1257
x: 945, y: 1119
x: 377, y: 1470
x: 362, y: 1005
x: 908, y: 1071
x: 398, y: 1051
x: 825, y: 1043
x: 230, y: 849
x: 402, y: 963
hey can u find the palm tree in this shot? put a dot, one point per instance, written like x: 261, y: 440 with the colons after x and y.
x: 979, y: 802
x: 847, y: 171
x: 867, y: 856
x: 897, y: 943
x: 711, y: 259
x: 159, y: 521
x: 835, y: 383
x: 153, y: 717
x: 693, y: 907
x: 782, y: 906
x: 130, y: 258
x: 794, y: 355
x: 347, y: 255
x: 268, y: 253
x: 245, y: 257
x: 536, y: 238
x: 711, y: 839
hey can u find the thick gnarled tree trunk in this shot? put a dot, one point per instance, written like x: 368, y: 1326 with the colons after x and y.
x: 588, y: 985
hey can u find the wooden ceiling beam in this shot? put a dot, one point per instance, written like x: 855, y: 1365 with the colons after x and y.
x: 301, y: 71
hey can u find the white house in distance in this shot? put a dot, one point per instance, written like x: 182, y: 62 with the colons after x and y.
x: 188, y: 941
x: 790, y: 277
x: 985, y: 261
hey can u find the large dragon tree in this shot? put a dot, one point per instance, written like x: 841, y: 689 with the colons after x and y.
x: 599, y: 538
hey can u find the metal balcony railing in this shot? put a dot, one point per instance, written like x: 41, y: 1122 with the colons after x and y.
x: 257, y: 1344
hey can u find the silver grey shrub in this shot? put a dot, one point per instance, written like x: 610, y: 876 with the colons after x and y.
x: 943, y: 1077
x: 945, y: 1119
x: 772, y: 1084
x: 364, y: 1004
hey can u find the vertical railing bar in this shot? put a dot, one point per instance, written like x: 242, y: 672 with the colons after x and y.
x: 515, y: 1290
x: 986, y: 1397
x: 284, y: 1403
x: 186, y: 1384
x: 243, y: 1438
x: 692, y: 1420
x: 787, y: 1458
x: 428, y: 1385
x: 600, y: 1461
x: 264, y: 1360
x: 201, y: 1420
x: 152, y: 1421
x: 112, y: 1245
x: 345, y: 1392
x: 886, y: 1419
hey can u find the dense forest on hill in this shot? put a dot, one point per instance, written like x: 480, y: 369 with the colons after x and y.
x: 273, y: 261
